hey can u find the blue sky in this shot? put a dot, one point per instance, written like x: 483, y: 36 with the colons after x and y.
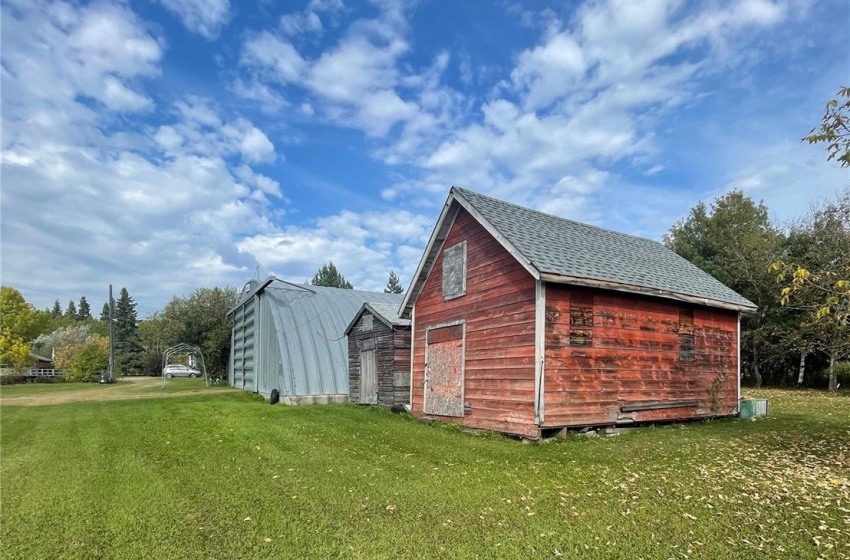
x: 170, y: 145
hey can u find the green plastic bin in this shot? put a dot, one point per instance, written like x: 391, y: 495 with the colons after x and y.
x: 752, y: 408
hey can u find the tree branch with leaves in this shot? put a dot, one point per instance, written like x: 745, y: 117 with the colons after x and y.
x: 834, y: 130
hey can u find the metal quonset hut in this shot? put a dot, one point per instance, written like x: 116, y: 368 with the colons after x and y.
x: 379, y: 356
x: 291, y: 337
x: 525, y: 323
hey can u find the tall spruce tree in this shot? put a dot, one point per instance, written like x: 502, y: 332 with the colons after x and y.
x: 84, y: 310
x: 71, y: 311
x: 104, y: 313
x: 57, y: 309
x: 329, y: 276
x: 128, y: 348
x: 393, y: 284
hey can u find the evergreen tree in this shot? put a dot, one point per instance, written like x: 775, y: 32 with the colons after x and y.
x: 104, y: 313
x: 393, y: 284
x: 84, y: 311
x: 329, y: 276
x: 71, y: 311
x: 128, y: 348
x: 57, y: 309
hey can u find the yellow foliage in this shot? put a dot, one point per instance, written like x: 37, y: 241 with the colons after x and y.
x: 14, y: 351
x: 801, y: 273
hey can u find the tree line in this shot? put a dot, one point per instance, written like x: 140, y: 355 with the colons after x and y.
x: 78, y: 343
x: 74, y: 340
x: 795, y: 273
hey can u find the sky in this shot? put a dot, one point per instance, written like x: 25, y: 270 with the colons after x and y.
x: 165, y: 146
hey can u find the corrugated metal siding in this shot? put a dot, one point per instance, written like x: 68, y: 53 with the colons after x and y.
x: 243, y: 346
x: 269, y: 369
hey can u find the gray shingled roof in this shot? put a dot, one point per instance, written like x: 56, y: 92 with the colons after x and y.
x: 386, y: 312
x: 389, y: 312
x: 564, y: 247
x: 559, y: 250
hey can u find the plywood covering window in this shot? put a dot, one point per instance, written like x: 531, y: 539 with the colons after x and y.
x: 454, y: 271
x: 581, y: 319
x: 686, y: 335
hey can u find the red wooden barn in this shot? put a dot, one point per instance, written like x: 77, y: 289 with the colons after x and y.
x: 527, y: 323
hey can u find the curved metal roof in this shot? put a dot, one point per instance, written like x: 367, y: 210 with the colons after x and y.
x: 310, y: 323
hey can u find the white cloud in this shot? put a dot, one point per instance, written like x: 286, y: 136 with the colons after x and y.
x: 138, y: 205
x: 118, y: 97
x: 256, y: 147
x: 300, y: 23
x: 199, y: 129
x: 356, y: 67
x: 204, y: 17
x: 63, y: 55
x: 308, y: 20
x: 589, y: 95
x: 357, y: 83
x: 268, y: 51
x: 254, y: 90
x: 550, y: 70
x: 360, y: 245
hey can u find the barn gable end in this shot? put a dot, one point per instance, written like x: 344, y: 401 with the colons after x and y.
x: 497, y: 314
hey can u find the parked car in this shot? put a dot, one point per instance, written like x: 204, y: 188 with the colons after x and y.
x: 179, y: 370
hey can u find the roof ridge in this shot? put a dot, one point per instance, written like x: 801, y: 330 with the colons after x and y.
x: 462, y: 190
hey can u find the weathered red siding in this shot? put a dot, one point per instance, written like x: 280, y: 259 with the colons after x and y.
x: 634, y: 358
x: 499, y: 312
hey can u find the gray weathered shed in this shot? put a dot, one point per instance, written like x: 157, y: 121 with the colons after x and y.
x: 291, y: 337
x: 379, y: 356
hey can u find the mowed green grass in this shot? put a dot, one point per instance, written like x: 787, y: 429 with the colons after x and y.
x: 225, y: 475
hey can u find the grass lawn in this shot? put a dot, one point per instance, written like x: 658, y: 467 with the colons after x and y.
x: 224, y: 475
x: 8, y: 391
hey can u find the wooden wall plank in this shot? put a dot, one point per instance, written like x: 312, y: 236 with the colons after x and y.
x: 392, y: 356
x: 634, y: 357
x: 498, y: 309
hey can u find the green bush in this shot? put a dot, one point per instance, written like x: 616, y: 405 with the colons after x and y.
x: 88, y: 361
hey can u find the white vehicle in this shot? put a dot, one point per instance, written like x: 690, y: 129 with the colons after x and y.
x: 179, y: 370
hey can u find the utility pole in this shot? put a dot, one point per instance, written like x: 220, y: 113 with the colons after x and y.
x: 111, y: 339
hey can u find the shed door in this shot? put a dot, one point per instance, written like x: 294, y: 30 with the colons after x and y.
x: 444, y: 371
x: 368, y: 377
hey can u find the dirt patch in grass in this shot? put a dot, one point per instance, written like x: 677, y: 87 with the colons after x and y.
x: 124, y: 389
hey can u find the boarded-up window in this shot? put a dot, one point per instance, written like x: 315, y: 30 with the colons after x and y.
x: 367, y: 323
x: 454, y: 271
x: 686, y: 335
x: 581, y: 319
